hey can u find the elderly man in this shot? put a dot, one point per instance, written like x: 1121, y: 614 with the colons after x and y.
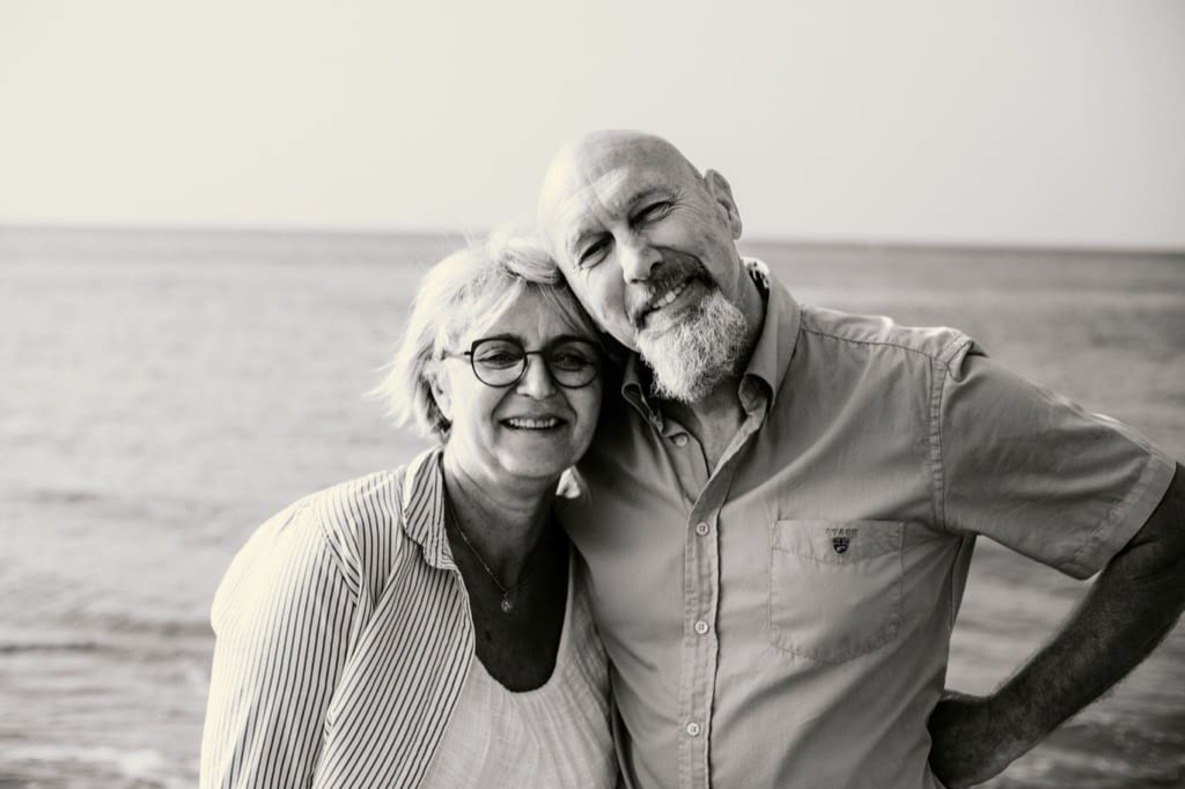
x: 784, y: 502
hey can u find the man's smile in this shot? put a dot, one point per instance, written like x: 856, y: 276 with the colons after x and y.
x: 668, y: 297
x: 670, y: 291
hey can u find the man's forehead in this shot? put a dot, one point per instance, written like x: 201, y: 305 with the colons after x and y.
x: 604, y: 195
x: 596, y: 194
x: 596, y: 178
x: 641, y: 158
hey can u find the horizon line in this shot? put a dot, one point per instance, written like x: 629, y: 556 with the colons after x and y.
x: 464, y: 234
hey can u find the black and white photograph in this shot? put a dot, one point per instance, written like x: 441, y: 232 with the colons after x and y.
x: 615, y: 395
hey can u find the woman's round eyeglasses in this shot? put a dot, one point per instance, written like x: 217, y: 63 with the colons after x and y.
x: 502, y: 361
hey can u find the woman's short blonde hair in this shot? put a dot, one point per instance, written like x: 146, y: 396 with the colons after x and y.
x: 467, y: 289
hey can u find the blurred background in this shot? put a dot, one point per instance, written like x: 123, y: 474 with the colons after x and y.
x: 213, y: 215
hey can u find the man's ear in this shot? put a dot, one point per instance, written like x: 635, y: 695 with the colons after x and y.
x: 721, y: 192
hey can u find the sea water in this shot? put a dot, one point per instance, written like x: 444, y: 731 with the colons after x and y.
x: 163, y: 392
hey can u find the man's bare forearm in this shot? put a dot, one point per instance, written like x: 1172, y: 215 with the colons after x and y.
x: 1131, y: 606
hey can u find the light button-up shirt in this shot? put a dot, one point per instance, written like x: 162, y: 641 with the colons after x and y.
x: 784, y: 619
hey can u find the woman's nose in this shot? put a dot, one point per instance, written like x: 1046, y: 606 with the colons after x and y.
x: 536, y: 381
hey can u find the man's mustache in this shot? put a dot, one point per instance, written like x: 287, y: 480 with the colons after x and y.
x: 669, y: 274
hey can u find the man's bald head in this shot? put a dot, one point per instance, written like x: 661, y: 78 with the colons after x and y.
x: 584, y: 159
x: 649, y: 246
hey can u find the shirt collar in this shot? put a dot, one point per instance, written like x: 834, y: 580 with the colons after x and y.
x: 423, y: 507
x: 635, y: 383
x: 767, y: 364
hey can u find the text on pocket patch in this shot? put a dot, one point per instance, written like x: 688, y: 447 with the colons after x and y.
x: 841, y: 538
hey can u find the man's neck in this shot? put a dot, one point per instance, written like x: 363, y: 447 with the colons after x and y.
x: 714, y: 420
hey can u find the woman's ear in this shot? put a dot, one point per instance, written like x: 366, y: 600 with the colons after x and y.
x: 438, y: 380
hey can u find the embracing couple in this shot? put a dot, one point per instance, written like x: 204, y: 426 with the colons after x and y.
x: 679, y: 531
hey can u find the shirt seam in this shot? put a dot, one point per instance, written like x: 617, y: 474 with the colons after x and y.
x: 342, y: 542
x: 352, y: 581
x: 938, y: 358
x: 937, y: 470
x: 937, y: 398
x: 938, y: 475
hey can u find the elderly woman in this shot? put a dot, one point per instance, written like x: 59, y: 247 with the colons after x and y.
x: 426, y: 627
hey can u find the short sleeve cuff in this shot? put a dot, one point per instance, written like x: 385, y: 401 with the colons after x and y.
x: 1126, y: 518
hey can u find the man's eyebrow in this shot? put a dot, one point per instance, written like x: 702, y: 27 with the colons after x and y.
x: 578, y: 238
x: 646, y: 194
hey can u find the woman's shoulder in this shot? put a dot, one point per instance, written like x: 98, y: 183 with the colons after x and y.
x: 365, y: 515
x: 344, y: 505
x: 355, y: 507
x: 357, y: 529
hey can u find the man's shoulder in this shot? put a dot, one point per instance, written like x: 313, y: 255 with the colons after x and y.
x: 855, y: 333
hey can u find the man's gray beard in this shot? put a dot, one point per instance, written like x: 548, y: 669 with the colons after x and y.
x: 697, y: 352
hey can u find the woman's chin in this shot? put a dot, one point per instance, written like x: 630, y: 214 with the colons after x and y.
x: 537, y: 465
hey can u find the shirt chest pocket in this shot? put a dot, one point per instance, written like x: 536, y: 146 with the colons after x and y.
x: 835, y: 587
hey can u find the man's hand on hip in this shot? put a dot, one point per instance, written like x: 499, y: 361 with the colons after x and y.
x: 967, y: 746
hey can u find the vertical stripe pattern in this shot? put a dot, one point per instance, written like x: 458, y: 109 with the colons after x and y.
x: 343, y: 640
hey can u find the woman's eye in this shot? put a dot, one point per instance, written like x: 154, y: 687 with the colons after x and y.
x: 504, y: 358
x: 570, y: 361
x: 573, y: 357
x: 499, y: 358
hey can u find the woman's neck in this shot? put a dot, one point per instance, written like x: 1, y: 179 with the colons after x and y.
x: 502, y: 522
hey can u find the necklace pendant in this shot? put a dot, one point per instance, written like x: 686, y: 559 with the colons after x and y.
x: 507, y: 605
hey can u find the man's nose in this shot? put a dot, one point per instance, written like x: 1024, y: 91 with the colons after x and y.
x: 638, y: 259
x: 536, y: 381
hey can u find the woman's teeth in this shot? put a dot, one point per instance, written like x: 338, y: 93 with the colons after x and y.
x: 533, y: 424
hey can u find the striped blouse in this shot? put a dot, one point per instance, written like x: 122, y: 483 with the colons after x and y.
x: 344, y: 639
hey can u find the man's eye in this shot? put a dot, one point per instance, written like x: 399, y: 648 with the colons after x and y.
x: 593, y: 252
x: 654, y: 211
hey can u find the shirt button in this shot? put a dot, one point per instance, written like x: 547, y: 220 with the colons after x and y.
x: 693, y: 729
x: 702, y: 528
x: 701, y: 627
x: 680, y: 440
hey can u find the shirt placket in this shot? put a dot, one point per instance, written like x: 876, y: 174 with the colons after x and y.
x: 699, y: 593
x: 701, y: 596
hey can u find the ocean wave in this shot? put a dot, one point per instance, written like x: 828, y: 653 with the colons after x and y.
x: 144, y: 507
x: 102, y: 630
x: 125, y: 767
x: 33, y: 647
x: 110, y: 635
x: 59, y: 496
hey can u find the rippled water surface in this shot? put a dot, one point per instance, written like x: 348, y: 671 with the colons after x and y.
x: 162, y: 393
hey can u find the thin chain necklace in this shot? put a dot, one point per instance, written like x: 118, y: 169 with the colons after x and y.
x: 507, y: 605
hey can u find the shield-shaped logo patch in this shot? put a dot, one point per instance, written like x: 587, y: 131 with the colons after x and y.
x: 840, y: 544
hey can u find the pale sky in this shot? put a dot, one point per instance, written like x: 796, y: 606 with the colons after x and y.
x: 1049, y: 122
